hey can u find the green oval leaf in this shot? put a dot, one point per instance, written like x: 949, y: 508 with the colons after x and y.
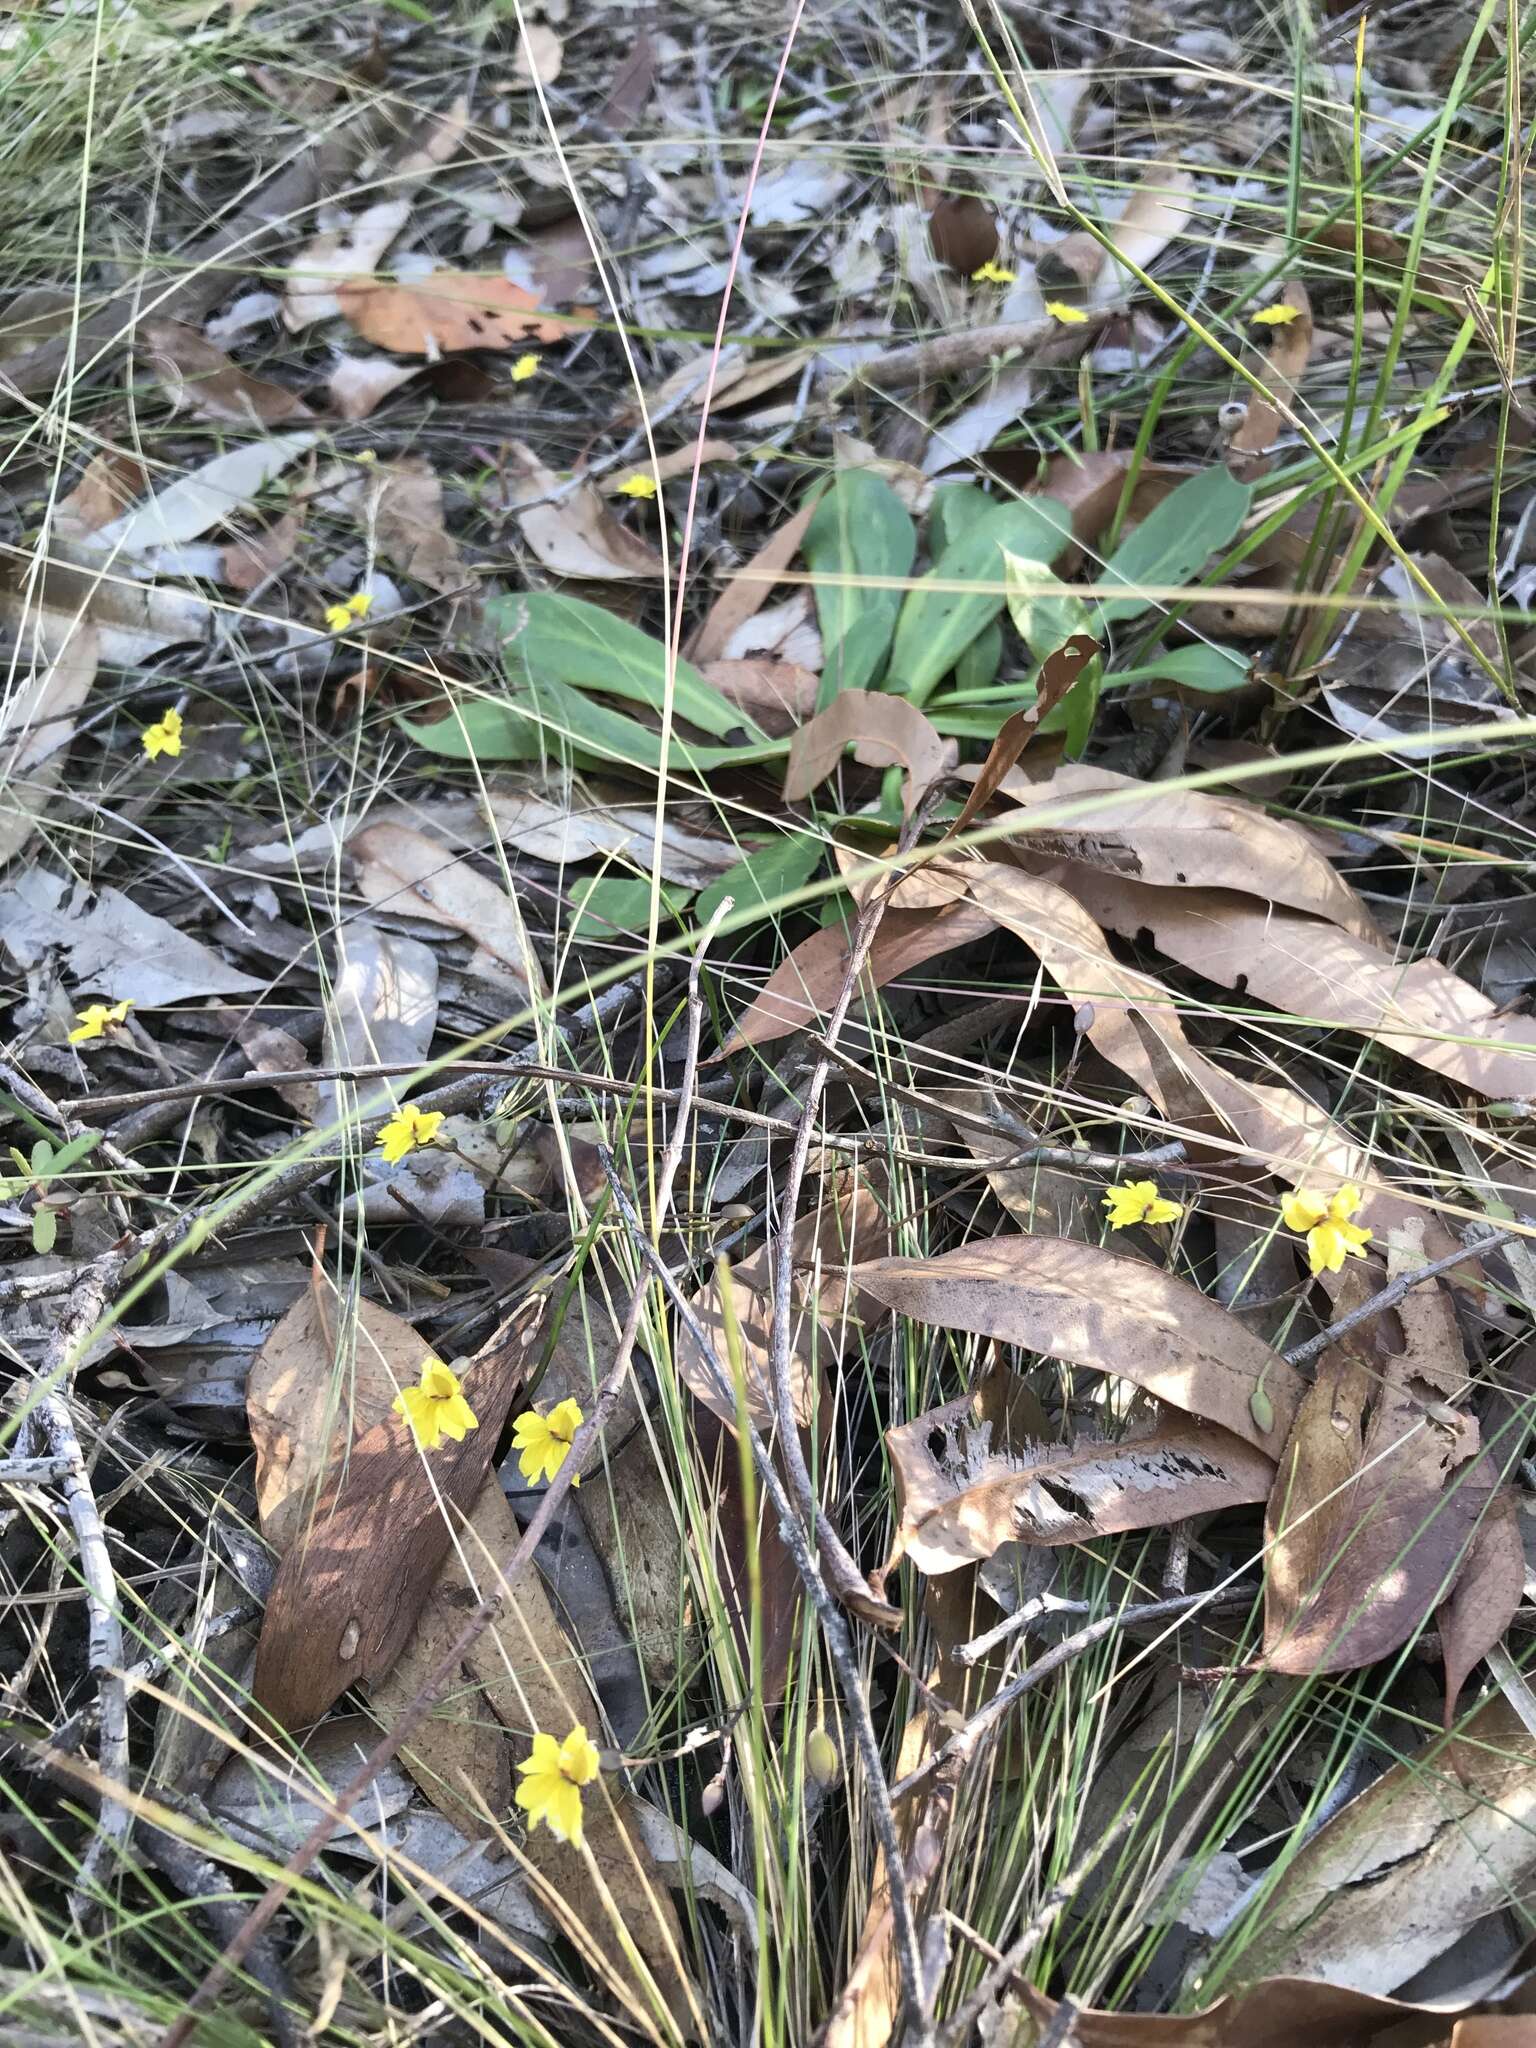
x: 1175, y: 540
x: 860, y: 528
x: 775, y: 870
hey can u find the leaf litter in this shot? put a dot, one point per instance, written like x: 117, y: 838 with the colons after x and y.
x: 1090, y: 1678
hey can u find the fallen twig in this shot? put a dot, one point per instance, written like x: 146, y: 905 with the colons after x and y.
x: 1393, y: 1292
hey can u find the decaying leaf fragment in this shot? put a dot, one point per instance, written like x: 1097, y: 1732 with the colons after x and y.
x: 961, y: 1504
x: 448, y: 310
x: 884, y: 732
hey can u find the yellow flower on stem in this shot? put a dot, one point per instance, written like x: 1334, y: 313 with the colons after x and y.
x: 1276, y: 316
x: 993, y: 272
x: 543, y: 1442
x: 1331, y: 1236
x: 1137, y: 1201
x: 406, y: 1129
x: 164, y: 736
x: 1069, y: 316
x: 524, y: 368
x: 638, y: 486
x: 436, y: 1407
x: 552, y: 1780
x: 95, y: 1017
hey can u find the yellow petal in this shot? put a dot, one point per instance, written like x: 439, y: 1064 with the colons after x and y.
x: 524, y: 368
x: 545, y: 1756
x: 457, y: 1417
x: 338, y: 617
x: 1345, y: 1202
x: 360, y: 603
x: 578, y: 1757
x: 438, y: 1380
x: 564, y: 1420
x: 563, y: 1818
x: 1303, y: 1209
x: 1161, y: 1210
x: 1068, y: 315
x: 1276, y: 316
x: 638, y: 486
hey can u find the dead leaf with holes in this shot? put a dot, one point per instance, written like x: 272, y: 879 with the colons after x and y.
x: 961, y: 1504
x: 448, y: 310
x: 884, y: 732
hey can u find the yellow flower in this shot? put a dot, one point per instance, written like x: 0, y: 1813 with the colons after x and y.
x: 1069, y: 316
x: 406, y: 1129
x: 524, y: 368
x: 552, y: 1782
x: 164, y: 736
x: 993, y: 273
x: 436, y: 1407
x: 1276, y: 316
x: 339, y: 616
x: 1137, y: 1201
x: 95, y: 1018
x: 1331, y: 1237
x: 543, y: 1442
x: 638, y: 486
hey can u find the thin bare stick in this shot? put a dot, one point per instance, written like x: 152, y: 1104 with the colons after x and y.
x: 962, y: 1746
x: 445, y: 1672
x: 957, y: 2029
x: 839, y: 1642
x: 1390, y: 1295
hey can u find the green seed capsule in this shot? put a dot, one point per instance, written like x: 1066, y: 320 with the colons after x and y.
x: 1262, y: 1409
x: 821, y: 1759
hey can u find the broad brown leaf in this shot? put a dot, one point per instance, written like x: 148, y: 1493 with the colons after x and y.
x: 450, y: 309
x: 802, y: 988
x: 1181, y: 839
x: 1087, y: 1306
x: 1374, y: 1502
x: 1316, y: 971
x: 406, y: 874
x: 359, y: 1567
x: 1487, y: 1593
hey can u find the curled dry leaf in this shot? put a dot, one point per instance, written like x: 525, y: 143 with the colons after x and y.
x: 200, y: 377
x: 108, y: 485
x: 36, y: 725
x: 410, y: 875
x: 1087, y: 1306
x: 1488, y: 1590
x: 744, y: 596
x: 1326, y: 975
x: 1155, y: 215
x: 577, y: 534
x: 358, y: 383
x: 777, y: 695
x: 1175, y: 838
x: 1063, y: 667
x: 1373, y: 1507
x: 884, y: 732
x: 961, y: 1504
x: 802, y: 988
x: 448, y: 310
x: 1289, y: 353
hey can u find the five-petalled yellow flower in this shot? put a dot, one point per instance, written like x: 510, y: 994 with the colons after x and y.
x: 1279, y: 315
x: 164, y: 736
x: 1331, y: 1236
x: 524, y: 368
x: 1068, y: 315
x: 95, y: 1017
x: 436, y: 1406
x: 339, y: 616
x: 1137, y: 1201
x: 993, y: 272
x: 552, y: 1780
x: 406, y: 1129
x: 639, y: 485
x: 543, y: 1442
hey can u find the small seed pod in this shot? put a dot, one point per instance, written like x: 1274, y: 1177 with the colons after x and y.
x: 822, y: 1761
